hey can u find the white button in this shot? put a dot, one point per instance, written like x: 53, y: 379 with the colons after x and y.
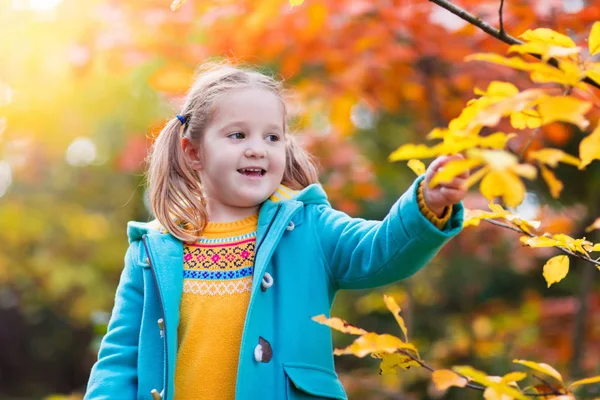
x: 290, y: 226
x: 267, y: 281
x: 258, y: 353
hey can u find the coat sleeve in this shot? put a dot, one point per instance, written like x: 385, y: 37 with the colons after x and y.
x: 114, y: 375
x: 364, y: 254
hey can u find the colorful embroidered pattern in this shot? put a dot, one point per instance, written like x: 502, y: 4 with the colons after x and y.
x: 219, y: 266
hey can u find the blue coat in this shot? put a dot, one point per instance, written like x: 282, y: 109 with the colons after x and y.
x: 309, y: 250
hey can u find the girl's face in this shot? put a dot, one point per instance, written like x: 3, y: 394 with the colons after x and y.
x: 242, y: 154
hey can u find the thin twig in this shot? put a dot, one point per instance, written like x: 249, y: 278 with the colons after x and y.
x: 506, y: 38
x: 502, y: 33
x: 545, y: 382
x: 567, y: 251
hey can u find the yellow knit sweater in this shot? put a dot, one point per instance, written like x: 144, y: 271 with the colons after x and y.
x: 216, y: 291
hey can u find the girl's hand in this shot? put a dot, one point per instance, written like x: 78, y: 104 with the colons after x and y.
x: 447, y: 194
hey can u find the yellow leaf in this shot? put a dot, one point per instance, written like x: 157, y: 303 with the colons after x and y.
x: 545, y: 368
x: 408, y: 151
x: 339, y: 325
x: 567, y: 73
x: 452, y: 169
x: 445, y: 378
x: 395, y: 309
x: 556, y: 269
x: 564, y: 108
x: 474, y: 217
x: 176, y: 4
x: 491, y: 393
x: 555, y: 185
x: 481, y: 377
x: 505, y: 185
x: 596, y: 247
x: 294, y: 3
x: 417, y: 166
x: 391, y: 362
x: 525, y: 119
x: 490, y: 113
x: 496, y: 140
x: 586, y: 381
x: 539, y: 241
x: 589, y: 148
x: 475, y: 177
x: 546, y: 51
x: 514, y: 377
x: 593, y: 74
x: 498, y: 89
x: 513, y: 62
x: 524, y: 224
x: 548, y: 36
x: 372, y: 342
x: 553, y: 156
x: 595, y: 225
x: 594, y: 39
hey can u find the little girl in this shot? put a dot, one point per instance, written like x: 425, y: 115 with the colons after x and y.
x: 216, y: 297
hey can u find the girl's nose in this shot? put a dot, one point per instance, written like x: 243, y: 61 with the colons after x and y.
x: 255, y: 151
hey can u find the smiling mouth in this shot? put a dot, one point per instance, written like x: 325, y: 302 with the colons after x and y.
x: 255, y: 172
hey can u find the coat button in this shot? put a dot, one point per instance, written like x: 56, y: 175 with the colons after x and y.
x: 290, y: 226
x: 147, y: 260
x: 267, y: 282
x: 263, y: 351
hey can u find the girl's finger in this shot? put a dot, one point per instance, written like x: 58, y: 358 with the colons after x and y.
x: 452, y: 195
x: 456, y: 183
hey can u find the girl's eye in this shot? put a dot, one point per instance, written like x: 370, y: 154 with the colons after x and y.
x: 273, y: 138
x: 237, y: 135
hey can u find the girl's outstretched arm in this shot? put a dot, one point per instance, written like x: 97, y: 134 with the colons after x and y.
x: 114, y: 376
x: 363, y: 254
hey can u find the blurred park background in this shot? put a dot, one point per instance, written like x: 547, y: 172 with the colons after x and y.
x: 86, y: 85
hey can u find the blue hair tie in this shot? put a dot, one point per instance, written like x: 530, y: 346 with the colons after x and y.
x: 181, y: 119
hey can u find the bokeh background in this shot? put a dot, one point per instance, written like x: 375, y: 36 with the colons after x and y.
x: 85, y: 86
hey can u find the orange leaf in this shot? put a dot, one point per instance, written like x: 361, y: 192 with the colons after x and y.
x: 445, y: 378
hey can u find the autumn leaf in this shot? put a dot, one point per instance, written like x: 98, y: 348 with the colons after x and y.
x: 541, y: 367
x: 548, y: 36
x: 482, y: 378
x: 373, y: 342
x: 589, y: 148
x: 409, y: 151
x: 339, y: 325
x: 391, y: 362
x: 554, y: 184
x: 452, y: 169
x: 594, y: 39
x: 525, y: 225
x: 595, y: 225
x: 565, y: 109
x: 546, y: 51
x: 556, y: 269
x: 294, y: 3
x: 394, y: 308
x: 586, y: 381
x: 416, y: 166
x: 491, y: 393
x: 503, y: 184
x: 552, y: 157
x: 445, y: 378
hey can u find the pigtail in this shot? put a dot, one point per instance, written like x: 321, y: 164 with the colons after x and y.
x: 175, y: 190
x: 300, y: 169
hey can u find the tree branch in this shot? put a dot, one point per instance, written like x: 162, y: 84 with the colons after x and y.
x: 502, y: 33
x: 503, y: 36
x: 567, y: 251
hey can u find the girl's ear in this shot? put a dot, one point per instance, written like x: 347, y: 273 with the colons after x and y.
x: 191, y: 154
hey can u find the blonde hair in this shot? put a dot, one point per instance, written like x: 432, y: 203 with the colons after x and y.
x: 175, y: 191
